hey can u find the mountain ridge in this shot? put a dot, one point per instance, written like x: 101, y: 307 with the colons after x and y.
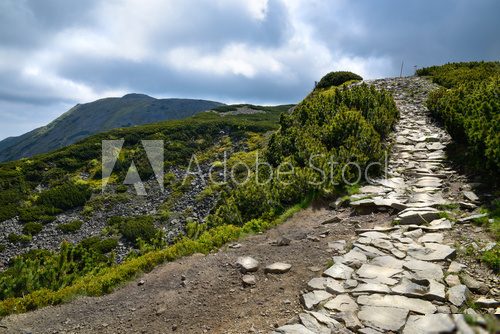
x: 104, y: 114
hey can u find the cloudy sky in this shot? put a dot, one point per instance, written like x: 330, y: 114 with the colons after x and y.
x: 56, y: 53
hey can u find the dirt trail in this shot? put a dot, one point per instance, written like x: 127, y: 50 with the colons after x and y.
x: 213, y: 299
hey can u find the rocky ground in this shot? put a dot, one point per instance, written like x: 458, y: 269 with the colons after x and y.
x: 390, y: 262
x: 126, y: 204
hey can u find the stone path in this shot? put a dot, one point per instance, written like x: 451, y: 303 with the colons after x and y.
x: 399, y: 277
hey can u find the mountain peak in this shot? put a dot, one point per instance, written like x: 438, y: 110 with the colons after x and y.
x: 136, y: 96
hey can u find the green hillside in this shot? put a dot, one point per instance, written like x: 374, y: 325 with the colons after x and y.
x: 86, y: 119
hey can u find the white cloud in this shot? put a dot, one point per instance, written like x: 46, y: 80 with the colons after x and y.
x: 234, y: 59
x: 251, y: 50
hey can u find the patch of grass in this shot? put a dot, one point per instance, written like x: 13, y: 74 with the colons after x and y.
x: 447, y: 215
x: 450, y: 206
x: 70, y: 227
x: 19, y: 238
x: 492, y: 258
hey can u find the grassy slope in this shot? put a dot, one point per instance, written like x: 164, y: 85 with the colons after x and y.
x: 98, y: 116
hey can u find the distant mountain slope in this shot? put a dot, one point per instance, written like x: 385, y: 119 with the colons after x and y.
x: 86, y: 119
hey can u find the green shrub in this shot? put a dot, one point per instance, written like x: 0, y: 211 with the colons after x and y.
x: 470, y: 109
x: 18, y: 238
x: 121, y: 188
x: 2, y: 247
x: 8, y: 211
x: 101, y: 246
x: 454, y: 74
x: 66, y: 196
x: 42, y: 269
x: 39, y: 213
x: 194, y: 229
x: 32, y: 228
x: 107, y: 245
x: 70, y: 227
x: 337, y: 79
x: 138, y: 227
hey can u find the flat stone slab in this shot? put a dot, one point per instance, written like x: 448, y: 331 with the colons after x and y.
x: 420, y: 288
x: 388, y: 262
x: 431, y: 237
x: 318, y: 283
x: 374, y: 235
x: 487, y: 302
x: 293, y: 329
x: 376, y: 229
x: 383, y: 318
x: 326, y: 283
x: 312, y: 324
x: 471, y: 196
x: 311, y: 299
x: 337, y: 245
x: 342, y: 303
x: 278, y: 268
x: 376, y: 272
x: 416, y: 216
x: 334, y: 287
x: 247, y: 264
x: 455, y: 267
x: 424, y: 269
x: 429, y: 323
x: 432, y: 252
x: 372, y: 288
x: 370, y: 251
x: 324, y: 319
x: 413, y: 304
x: 468, y: 219
x: 339, y: 271
x: 349, y: 319
x: 435, y: 225
x: 427, y: 181
x: 457, y: 295
x: 354, y: 258
x: 373, y: 190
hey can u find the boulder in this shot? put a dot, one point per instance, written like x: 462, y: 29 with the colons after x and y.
x: 278, y: 268
x: 247, y: 264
